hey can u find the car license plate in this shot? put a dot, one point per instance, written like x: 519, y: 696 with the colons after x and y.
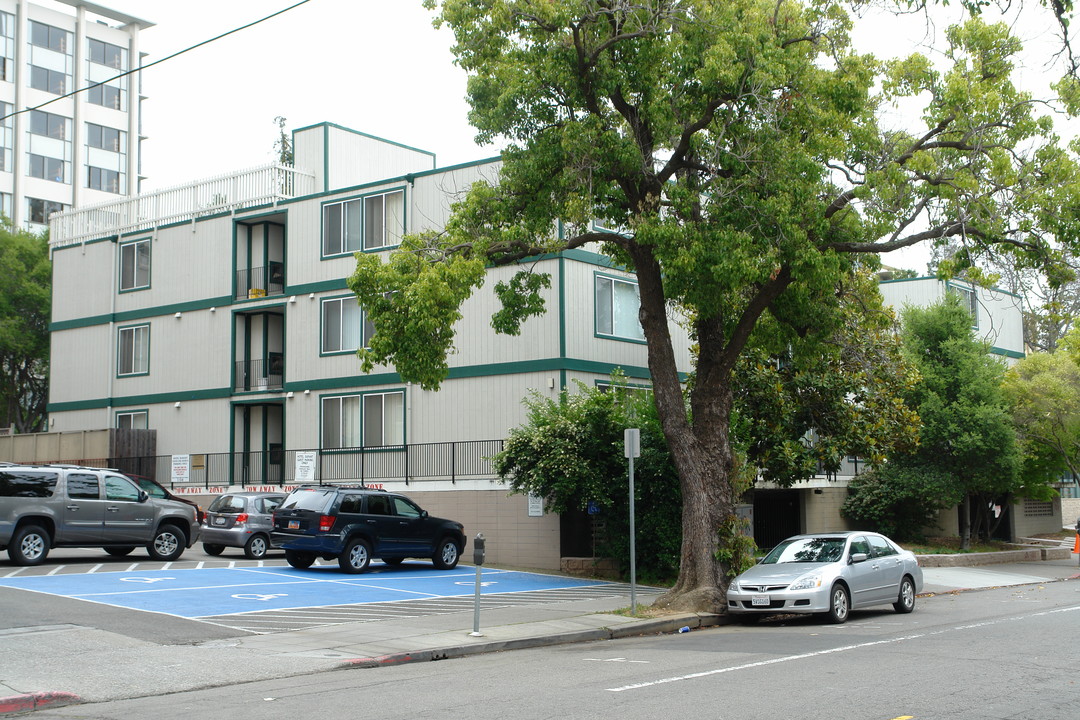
x: 760, y: 601
x: 294, y: 524
x: 219, y: 521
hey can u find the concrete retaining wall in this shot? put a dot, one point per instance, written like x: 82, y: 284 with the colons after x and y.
x: 1031, y: 554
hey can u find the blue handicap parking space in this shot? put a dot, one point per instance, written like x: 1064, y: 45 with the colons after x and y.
x: 204, y: 592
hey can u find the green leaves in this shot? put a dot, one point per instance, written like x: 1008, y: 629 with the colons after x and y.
x: 25, y: 309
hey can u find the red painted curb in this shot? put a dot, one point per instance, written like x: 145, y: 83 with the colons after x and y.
x: 33, y: 701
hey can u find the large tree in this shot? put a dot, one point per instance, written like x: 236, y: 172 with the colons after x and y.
x: 967, y: 430
x: 737, y: 147
x: 25, y: 302
x: 1044, y: 392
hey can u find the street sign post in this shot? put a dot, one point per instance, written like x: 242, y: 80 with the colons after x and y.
x: 632, y: 442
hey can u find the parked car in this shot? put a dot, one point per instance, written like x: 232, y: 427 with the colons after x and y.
x: 157, y: 490
x: 47, y: 506
x: 355, y: 525
x: 828, y: 573
x: 243, y: 520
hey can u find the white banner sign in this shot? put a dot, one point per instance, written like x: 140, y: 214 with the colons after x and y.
x: 305, y: 467
x: 181, y: 468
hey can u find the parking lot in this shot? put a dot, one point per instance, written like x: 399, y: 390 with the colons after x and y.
x: 269, y: 596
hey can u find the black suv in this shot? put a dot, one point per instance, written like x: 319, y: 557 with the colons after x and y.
x: 356, y: 524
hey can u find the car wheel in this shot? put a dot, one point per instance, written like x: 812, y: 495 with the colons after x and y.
x: 393, y: 562
x: 905, y: 601
x: 168, y: 543
x: 839, y: 604
x: 120, y: 551
x: 256, y: 547
x: 212, y: 549
x: 356, y: 556
x: 299, y: 560
x: 29, y: 545
x: 446, y: 555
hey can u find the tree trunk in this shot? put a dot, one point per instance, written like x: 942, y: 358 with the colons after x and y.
x: 700, y: 451
x: 965, y: 523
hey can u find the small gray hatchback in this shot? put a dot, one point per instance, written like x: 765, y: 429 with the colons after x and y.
x: 243, y: 520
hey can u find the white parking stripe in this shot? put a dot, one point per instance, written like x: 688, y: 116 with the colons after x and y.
x: 845, y: 648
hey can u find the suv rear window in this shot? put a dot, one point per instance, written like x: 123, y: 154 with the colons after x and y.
x: 309, y: 499
x: 27, y: 483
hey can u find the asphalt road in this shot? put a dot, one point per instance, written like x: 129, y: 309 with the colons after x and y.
x: 997, y: 653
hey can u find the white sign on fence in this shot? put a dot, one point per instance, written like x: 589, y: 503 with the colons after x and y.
x: 181, y: 468
x: 305, y: 466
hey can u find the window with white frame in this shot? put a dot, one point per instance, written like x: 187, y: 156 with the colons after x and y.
x: 38, y: 210
x: 363, y: 420
x: 105, y: 95
x: 102, y: 179
x: 133, y: 350
x: 367, y: 223
x: 7, y: 138
x: 7, y: 47
x: 50, y: 125
x: 969, y: 300
x: 47, y: 36
x: 345, y: 325
x: 103, y: 137
x: 46, y: 168
x: 51, y: 81
x: 135, y: 265
x: 617, y: 304
x: 134, y: 420
x: 106, y: 54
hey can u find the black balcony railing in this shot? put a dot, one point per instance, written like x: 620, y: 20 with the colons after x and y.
x: 268, y: 374
x: 259, y: 282
x: 451, y: 461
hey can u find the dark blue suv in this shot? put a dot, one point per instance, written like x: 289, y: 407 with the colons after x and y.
x: 356, y: 524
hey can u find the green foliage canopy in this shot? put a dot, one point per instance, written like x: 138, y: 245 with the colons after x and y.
x: 25, y: 309
x: 736, y: 147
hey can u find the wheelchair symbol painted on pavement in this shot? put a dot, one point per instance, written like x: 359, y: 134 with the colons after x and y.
x: 482, y: 584
x: 257, y: 596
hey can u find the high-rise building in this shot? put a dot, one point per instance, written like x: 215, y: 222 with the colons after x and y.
x: 70, y: 131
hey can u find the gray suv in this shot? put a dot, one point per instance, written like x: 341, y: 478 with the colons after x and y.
x: 47, y: 506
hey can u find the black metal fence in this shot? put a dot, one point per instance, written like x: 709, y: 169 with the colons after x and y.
x: 451, y: 461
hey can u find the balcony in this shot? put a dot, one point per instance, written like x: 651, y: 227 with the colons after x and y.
x: 254, y: 187
x: 260, y: 375
x: 260, y: 282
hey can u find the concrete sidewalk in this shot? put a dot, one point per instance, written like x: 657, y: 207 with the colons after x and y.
x: 81, y: 664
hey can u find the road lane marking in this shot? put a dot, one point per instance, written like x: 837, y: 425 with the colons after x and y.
x: 831, y: 651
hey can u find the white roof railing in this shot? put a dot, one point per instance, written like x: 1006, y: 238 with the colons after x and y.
x: 262, y: 185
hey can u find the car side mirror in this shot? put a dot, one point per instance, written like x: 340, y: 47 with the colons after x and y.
x: 143, y: 496
x: 858, y: 557
x: 423, y: 513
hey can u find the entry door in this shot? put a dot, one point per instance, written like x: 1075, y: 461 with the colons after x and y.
x: 84, y: 510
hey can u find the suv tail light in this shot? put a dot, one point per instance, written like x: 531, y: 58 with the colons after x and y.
x: 326, y: 522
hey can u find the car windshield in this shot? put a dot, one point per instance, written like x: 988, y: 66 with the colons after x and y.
x: 807, y: 550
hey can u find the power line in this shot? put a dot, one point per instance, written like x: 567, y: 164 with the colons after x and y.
x: 156, y: 62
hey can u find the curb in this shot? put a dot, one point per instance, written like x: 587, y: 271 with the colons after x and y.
x: 35, y: 701
x: 669, y: 624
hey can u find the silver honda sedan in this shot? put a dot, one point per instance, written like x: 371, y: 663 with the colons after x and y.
x: 828, y: 573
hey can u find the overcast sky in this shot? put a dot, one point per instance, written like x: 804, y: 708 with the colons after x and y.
x: 378, y: 67
x: 375, y: 66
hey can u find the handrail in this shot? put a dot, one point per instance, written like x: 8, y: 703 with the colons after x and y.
x: 261, y: 185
